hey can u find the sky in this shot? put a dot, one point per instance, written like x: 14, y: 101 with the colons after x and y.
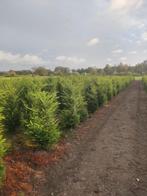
x: 72, y: 33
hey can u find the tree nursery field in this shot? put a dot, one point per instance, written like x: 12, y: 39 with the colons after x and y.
x: 72, y: 135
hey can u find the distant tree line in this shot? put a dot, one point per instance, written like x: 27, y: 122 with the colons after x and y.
x: 121, y: 69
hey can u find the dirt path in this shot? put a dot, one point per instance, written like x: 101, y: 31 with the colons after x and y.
x: 111, y: 158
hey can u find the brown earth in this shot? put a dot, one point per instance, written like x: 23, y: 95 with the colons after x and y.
x: 105, y: 156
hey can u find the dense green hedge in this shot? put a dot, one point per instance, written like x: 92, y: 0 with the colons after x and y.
x: 2, y: 149
x: 42, y: 108
x: 42, y: 126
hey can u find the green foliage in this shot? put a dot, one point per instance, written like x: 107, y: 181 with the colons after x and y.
x: 2, y: 145
x: 42, y: 127
x: 71, y: 108
x: 102, y: 92
x: 2, y: 150
x: 90, y: 94
x: 8, y: 101
x: 24, y: 98
x: 144, y: 81
x: 114, y: 84
x: 109, y: 90
x: 16, y: 96
x: 39, y: 107
x: 11, y: 111
x: 50, y: 85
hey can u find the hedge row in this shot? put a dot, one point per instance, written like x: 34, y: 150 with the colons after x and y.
x: 2, y: 150
x: 42, y: 109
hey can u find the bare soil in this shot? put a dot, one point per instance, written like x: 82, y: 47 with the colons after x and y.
x: 108, y: 156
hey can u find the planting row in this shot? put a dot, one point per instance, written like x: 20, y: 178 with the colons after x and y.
x: 42, y: 109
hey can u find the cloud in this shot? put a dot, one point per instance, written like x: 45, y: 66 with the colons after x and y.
x: 125, y: 5
x: 138, y: 42
x: 7, y: 58
x: 117, y: 51
x: 93, y: 41
x: 124, y: 58
x: 110, y: 29
x: 61, y: 58
x: 130, y: 40
x: 41, y: 2
x: 109, y: 59
x: 141, y: 25
x: 144, y: 36
x: 144, y: 51
x: 133, y: 52
x: 71, y: 60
